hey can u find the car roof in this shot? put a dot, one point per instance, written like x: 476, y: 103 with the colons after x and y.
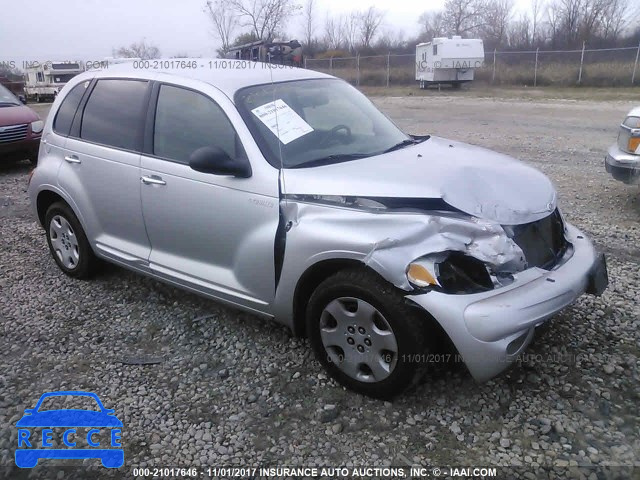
x: 635, y: 112
x: 226, y: 75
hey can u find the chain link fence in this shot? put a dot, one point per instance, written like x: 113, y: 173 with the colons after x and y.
x: 609, y: 67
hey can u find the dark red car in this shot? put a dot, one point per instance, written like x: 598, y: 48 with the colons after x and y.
x: 20, y: 129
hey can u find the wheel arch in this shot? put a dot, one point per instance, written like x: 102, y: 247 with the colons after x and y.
x: 44, y: 200
x: 320, y: 271
x: 47, y: 197
x: 309, y: 281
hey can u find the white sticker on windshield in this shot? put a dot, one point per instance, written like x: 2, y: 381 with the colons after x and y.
x: 282, y: 120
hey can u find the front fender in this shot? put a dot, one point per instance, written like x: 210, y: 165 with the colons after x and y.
x: 385, y: 241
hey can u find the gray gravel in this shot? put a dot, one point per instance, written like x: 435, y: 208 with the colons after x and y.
x: 226, y: 388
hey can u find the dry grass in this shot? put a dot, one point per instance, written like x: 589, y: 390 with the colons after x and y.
x: 602, y: 74
x: 482, y: 90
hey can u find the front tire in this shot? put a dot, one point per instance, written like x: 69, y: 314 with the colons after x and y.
x: 365, y: 334
x: 68, y: 243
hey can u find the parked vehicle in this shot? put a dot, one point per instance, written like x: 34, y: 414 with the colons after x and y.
x: 20, y: 129
x: 277, y: 51
x: 288, y: 194
x: 448, y: 61
x: 623, y: 158
x: 44, y: 81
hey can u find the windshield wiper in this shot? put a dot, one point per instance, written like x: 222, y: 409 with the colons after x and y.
x: 406, y: 143
x: 9, y: 104
x: 337, y: 158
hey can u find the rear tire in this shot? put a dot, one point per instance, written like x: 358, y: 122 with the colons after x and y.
x: 68, y: 243
x: 365, y: 334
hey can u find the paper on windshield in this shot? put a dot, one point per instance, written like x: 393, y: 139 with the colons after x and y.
x: 282, y: 120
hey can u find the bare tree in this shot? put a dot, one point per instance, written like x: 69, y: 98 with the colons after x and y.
x: 575, y: 21
x: 369, y: 22
x: 138, y: 50
x: 537, y: 7
x: 592, y: 14
x: 264, y: 17
x: 333, y: 33
x: 224, y: 21
x: 390, y: 40
x: 496, y: 17
x: 614, y: 20
x: 309, y: 26
x: 350, y: 25
x: 433, y: 25
x: 464, y: 16
x: 520, y: 32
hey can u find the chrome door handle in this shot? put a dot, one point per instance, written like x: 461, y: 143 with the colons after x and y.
x: 72, y: 159
x: 153, y: 180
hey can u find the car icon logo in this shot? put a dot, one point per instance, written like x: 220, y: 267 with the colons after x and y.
x: 71, y: 422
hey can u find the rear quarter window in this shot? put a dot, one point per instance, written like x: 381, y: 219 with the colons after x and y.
x: 64, y: 118
x: 114, y: 113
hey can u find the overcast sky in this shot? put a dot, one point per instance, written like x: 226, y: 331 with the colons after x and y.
x: 88, y: 29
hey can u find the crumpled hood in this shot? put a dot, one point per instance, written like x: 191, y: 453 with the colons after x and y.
x: 17, y: 115
x: 472, y: 179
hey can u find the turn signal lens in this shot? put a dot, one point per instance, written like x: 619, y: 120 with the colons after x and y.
x: 420, y: 276
x: 634, y: 143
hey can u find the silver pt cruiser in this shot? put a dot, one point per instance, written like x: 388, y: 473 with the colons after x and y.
x: 286, y: 193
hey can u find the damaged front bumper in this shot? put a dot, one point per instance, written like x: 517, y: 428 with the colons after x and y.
x: 491, y: 329
x: 624, y: 167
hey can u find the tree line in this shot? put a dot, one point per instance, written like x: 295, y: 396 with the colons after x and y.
x: 549, y: 24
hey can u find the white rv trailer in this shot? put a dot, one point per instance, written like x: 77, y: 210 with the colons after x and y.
x: 448, y: 60
x: 43, y: 81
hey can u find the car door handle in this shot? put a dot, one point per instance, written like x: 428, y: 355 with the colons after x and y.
x: 72, y: 159
x: 153, y: 180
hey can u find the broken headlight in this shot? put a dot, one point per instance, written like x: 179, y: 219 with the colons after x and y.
x: 451, y: 272
x: 460, y: 273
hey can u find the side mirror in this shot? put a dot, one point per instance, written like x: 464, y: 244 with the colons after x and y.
x: 28, y: 411
x: 22, y: 99
x: 216, y: 161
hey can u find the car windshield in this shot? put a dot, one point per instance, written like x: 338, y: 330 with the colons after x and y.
x: 7, y: 98
x: 307, y: 123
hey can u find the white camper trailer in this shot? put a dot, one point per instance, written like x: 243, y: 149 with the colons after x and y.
x: 448, y: 60
x: 43, y: 81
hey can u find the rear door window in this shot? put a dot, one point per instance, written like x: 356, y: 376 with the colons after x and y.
x: 186, y: 121
x: 114, y: 114
x: 66, y: 112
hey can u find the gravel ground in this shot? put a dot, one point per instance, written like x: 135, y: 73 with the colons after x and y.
x: 226, y: 388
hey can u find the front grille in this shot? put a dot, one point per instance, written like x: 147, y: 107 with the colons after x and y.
x: 543, y: 242
x: 13, y: 133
